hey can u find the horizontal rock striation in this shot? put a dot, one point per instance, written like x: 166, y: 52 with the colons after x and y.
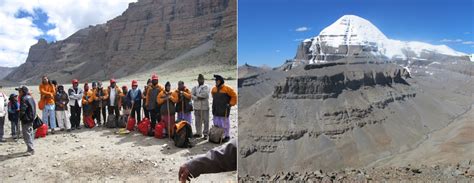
x: 330, y: 86
x: 147, y: 34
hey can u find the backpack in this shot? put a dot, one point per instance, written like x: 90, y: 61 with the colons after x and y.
x: 182, y: 134
x: 131, y: 123
x: 216, y: 134
x: 89, y: 122
x: 159, y: 130
x: 122, y: 121
x: 144, y: 126
x: 41, y: 131
x: 111, y: 121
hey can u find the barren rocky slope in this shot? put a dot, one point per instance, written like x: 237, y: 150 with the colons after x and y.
x: 149, y: 33
x: 350, y: 114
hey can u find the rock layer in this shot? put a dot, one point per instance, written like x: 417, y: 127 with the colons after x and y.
x: 147, y: 34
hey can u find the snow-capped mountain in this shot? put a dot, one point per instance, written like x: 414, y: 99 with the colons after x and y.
x: 355, y: 36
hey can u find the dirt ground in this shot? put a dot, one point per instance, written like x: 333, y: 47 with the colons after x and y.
x: 102, y: 155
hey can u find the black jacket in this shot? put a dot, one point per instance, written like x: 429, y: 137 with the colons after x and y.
x: 27, y: 109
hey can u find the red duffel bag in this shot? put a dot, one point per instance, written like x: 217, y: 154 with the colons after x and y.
x: 131, y: 123
x: 144, y: 126
x: 89, y: 122
x: 159, y: 130
x: 41, y: 131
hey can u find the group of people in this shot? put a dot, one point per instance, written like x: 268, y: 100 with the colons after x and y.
x: 158, y: 103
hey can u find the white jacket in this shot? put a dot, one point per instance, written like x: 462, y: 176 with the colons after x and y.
x: 200, y: 92
x: 73, y: 96
x: 3, y: 105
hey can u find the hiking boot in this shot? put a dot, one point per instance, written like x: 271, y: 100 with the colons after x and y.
x: 52, y: 131
x: 68, y: 130
x: 29, y: 153
x: 79, y: 127
x: 197, y: 135
x: 226, y: 139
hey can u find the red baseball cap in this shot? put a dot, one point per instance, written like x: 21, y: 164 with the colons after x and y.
x: 112, y: 80
x: 154, y: 77
x: 75, y: 81
x: 134, y: 83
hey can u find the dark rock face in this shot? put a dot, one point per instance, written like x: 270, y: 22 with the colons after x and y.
x: 147, y: 34
x: 325, y: 86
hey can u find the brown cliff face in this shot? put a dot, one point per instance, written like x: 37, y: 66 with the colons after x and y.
x: 147, y: 34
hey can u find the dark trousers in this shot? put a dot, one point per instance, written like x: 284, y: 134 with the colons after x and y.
x: 97, y: 113
x: 146, y: 112
x: 75, y: 116
x: 155, y: 117
x: 114, y: 110
x: 136, y: 112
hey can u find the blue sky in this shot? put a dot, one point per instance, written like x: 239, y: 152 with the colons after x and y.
x: 40, y: 20
x: 267, y: 29
x: 23, y: 22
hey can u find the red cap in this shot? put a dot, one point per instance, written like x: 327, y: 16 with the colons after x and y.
x: 124, y: 86
x: 112, y: 80
x: 75, y: 81
x: 154, y: 77
x: 134, y: 83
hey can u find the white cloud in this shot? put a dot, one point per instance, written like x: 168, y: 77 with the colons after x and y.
x: 278, y: 51
x: 17, y: 35
x: 450, y: 40
x: 468, y: 42
x: 302, y: 29
x: 298, y: 40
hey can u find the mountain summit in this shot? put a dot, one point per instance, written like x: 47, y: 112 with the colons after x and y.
x: 351, y: 35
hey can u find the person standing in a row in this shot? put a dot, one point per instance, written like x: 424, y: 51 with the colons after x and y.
x: 144, y: 97
x: 62, y: 99
x: 200, y: 96
x: 167, y: 100
x: 47, y: 92
x: 75, y: 98
x: 100, y: 103
x: 134, y: 96
x: 114, y: 99
x: 151, y: 100
x: 184, y: 105
x: 223, y: 98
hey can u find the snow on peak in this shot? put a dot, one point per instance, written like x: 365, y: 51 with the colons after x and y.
x: 351, y: 30
x: 354, y: 30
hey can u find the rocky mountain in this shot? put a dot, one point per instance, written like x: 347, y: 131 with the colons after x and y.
x: 4, y: 71
x: 336, y: 111
x: 148, y: 34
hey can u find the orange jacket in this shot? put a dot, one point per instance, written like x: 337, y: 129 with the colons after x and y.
x: 186, y: 93
x: 90, y: 97
x: 47, y: 92
x: 229, y: 91
x: 160, y: 99
x: 148, y: 92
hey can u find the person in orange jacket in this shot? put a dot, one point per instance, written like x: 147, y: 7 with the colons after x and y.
x: 167, y: 100
x: 87, y: 100
x: 144, y: 93
x: 184, y: 105
x: 114, y: 96
x: 152, y: 92
x: 47, y: 104
x: 223, y: 98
